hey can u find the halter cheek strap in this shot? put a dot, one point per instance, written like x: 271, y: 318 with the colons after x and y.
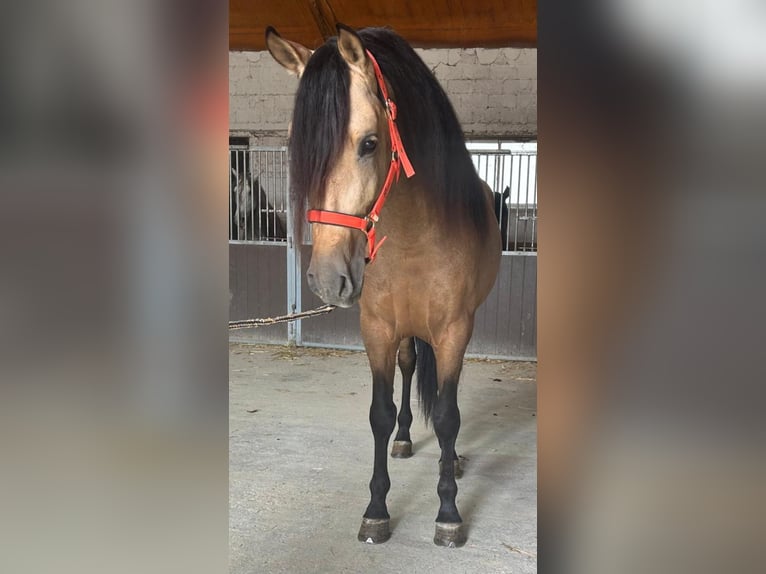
x: 399, y: 160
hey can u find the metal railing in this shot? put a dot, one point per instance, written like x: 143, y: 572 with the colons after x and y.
x: 512, y: 176
x: 258, y: 194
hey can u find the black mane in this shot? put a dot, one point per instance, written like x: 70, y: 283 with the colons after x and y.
x: 427, y: 123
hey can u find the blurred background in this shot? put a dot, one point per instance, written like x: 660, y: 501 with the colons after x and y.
x: 113, y: 289
x: 651, y: 283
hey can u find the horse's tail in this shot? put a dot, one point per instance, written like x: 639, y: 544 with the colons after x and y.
x: 426, y: 371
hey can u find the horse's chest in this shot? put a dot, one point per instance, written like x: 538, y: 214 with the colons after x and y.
x: 410, y: 295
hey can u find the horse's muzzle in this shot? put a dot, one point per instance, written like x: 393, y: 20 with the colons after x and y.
x: 336, y: 282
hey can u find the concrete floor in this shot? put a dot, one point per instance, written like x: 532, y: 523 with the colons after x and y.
x: 300, y: 465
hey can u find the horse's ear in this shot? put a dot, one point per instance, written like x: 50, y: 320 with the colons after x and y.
x: 291, y: 55
x: 351, y: 48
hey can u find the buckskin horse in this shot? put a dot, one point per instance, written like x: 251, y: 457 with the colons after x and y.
x: 419, y: 253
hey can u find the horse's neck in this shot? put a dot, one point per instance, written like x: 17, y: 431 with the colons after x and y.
x: 409, y: 212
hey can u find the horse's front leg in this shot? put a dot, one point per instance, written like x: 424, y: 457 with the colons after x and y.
x: 382, y: 356
x: 446, y: 421
x: 402, y: 447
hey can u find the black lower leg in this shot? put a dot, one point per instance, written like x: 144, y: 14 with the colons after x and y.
x: 382, y: 421
x: 446, y: 421
x: 454, y: 452
x: 407, y: 366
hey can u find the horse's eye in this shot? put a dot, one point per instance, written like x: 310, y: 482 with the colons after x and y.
x: 368, y: 146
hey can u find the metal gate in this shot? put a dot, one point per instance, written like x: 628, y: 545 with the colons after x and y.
x: 267, y: 272
x: 261, y: 255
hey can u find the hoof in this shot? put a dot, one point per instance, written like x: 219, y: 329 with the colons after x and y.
x: 374, y: 530
x: 456, y: 465
x: 450, y: 534
x: 401, y: 449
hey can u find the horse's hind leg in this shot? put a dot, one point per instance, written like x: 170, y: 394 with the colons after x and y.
x: 402, y: 447
x: 382, y: 356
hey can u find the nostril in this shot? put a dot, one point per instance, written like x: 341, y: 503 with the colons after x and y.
x: 332, y: 285
x: 346, y: 287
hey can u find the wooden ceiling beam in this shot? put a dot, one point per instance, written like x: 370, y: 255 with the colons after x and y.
x: 324, y: 17
x: 424, y: 24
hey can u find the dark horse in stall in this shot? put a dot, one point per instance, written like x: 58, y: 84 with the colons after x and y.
x: 517, y: 229
x: 244, y: 206
x: 367, y: 107
x: 502, y: 213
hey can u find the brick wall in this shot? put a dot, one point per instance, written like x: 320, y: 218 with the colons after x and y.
x: 494, y: 92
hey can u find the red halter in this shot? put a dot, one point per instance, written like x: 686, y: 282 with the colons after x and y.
x: 398, y: 159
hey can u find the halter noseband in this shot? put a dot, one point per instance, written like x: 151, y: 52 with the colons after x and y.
x: 399, y: 158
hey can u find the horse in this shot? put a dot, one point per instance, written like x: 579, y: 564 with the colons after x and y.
x: 502, y: 213
x: 366, y: 109
x: 244, y: 207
